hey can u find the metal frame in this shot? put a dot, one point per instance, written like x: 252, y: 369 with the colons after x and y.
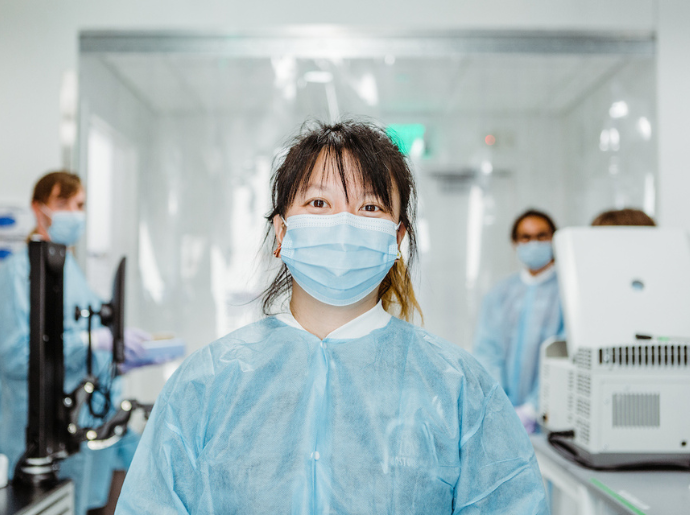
x: 578, y: 493
x: 46, y: 432
x: 325, y: 42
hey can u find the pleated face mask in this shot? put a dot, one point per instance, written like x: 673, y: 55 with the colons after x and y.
x: 339, y: 259
x: 67, y: 227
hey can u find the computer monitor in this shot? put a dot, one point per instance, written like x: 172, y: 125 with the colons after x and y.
x: 620, y: 284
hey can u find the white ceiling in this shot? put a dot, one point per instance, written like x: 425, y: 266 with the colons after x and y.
x: 506, y: 84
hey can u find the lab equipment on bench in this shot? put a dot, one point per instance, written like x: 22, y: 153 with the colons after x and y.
x: 615, y: 393
x: 53, y: 431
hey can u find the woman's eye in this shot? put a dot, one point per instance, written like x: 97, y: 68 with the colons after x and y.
x: 371, y: 208
x: 318, y: 203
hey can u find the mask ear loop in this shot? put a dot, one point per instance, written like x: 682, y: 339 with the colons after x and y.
x: 399, y: 256
x: 46, y: 210
x: 276, y: 252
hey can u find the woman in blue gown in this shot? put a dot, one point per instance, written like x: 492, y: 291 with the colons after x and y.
x: 337, y: 404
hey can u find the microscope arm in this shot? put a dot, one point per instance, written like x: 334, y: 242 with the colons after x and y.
x: 106, y: 434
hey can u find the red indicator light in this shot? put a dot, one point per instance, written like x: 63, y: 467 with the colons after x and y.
x: 490, y: 139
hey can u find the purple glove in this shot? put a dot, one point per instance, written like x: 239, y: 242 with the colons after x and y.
x: 528, y: 416
x: 134, y: 343
x: 102, y: 339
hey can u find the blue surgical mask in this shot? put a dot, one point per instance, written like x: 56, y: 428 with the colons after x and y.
x: 339, y: 259
x: 67, y: 227
x: 535, y: 255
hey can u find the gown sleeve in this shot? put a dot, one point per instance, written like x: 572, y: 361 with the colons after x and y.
x: 498, y: 468
x: 164, y: 477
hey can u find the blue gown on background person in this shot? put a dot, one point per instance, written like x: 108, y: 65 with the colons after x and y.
x: 90, y: 470
x: 387, y: 420
x: 517, y: 316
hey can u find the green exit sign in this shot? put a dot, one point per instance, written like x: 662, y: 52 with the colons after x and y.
x: 404, y: 135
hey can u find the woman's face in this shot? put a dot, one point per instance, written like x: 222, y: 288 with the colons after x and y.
x: 325, y: 196
x: 56, y: 203
x: 74, y: 203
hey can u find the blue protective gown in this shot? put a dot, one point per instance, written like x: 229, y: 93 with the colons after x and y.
x: 516, y: 318
x: 270, y: 419
x: 90, y: 470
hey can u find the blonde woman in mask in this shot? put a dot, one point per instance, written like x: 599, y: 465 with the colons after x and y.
x: 337, y: 404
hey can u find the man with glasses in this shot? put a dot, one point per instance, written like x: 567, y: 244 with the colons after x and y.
x: 520, y: 313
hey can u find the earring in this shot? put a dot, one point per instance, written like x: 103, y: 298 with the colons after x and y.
x: 276, y: 252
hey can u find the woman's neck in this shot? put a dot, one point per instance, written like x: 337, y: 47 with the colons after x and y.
x: 322, y: 319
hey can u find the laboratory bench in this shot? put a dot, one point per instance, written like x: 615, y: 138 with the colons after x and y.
x: 574, y: 489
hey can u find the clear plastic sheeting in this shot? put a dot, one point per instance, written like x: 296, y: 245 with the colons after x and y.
x: 488, y: 134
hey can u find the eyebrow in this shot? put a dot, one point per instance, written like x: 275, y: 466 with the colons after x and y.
x: 540, y: 233
x: 366, y: 193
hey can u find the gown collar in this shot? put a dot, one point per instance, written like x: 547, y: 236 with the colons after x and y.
x: 375, y: 318
x: 542, y: 277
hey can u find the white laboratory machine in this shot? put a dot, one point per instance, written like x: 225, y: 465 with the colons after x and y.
x: 621, y: 381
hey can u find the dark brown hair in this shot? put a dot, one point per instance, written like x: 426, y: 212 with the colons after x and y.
x: 527, y: 214
x: 362, y: 152
x: 626, y: 216
x: 68, y: 183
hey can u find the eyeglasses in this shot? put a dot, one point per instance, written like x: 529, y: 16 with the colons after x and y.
x: 542, y: 236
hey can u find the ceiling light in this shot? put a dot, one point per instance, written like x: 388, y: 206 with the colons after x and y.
x: 320, y: 77
x: 69, y: 94
x: 615, y: 138
x: 645, y: 128
x: 285, y: 69
x: 367, y: 90
x: 618, y: 109
x: 604, y: 139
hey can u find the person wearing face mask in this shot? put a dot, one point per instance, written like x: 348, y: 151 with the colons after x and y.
x: 519, y: 314
x: 58, y: 205
x: 336, y: 404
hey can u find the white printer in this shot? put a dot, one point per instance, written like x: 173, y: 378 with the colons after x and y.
x: 621, y: 381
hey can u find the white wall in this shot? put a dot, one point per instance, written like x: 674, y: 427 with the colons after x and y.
x: 673, y: 88
x: 107, y: 100
x: 39, y: 40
